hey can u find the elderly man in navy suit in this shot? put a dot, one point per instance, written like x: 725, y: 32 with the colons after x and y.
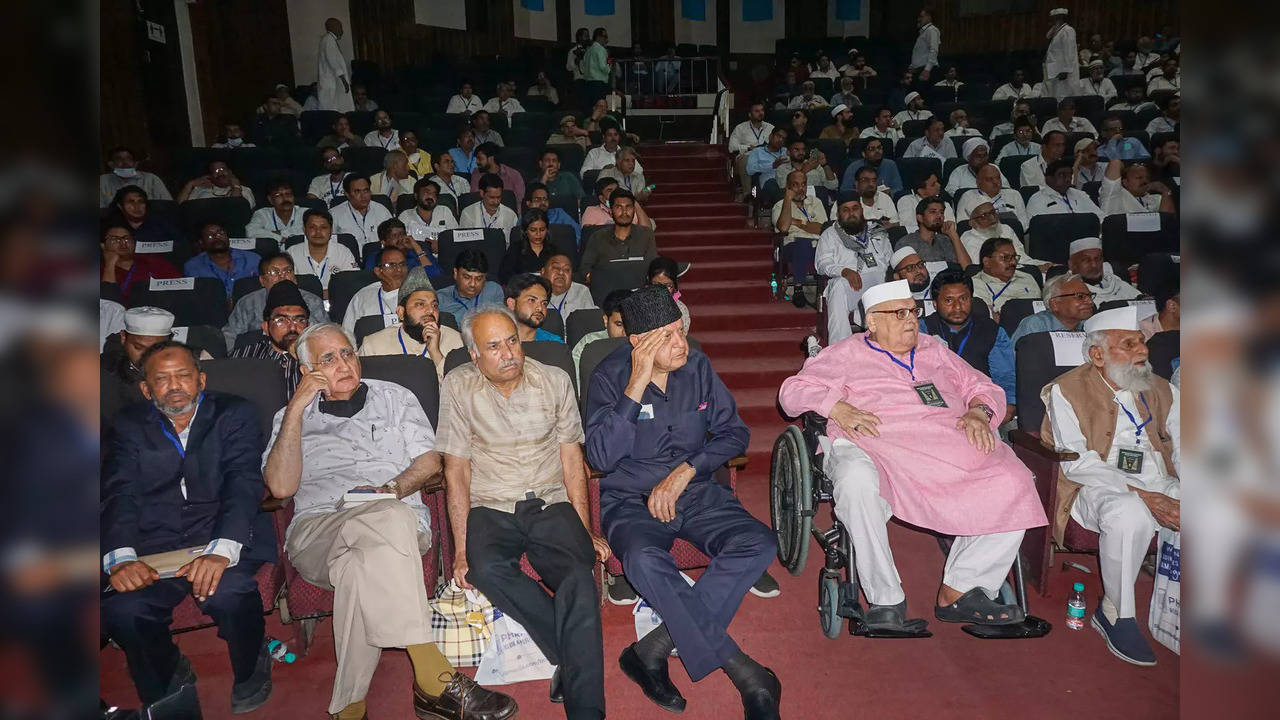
x: 184, y: 471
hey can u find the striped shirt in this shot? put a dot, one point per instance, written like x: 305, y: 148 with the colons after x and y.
x: 264, y: 349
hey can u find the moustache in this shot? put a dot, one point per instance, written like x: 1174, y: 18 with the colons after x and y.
x: 508, y: 364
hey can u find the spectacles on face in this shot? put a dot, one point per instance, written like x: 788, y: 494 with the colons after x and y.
x: 117, y: 239
x: 281, y: 194
x: 1078, y: 296
x: 903, y: 313
x: 912, y: 267
x: 393, y: 265
x: 285, y: 320
x: 985, y: 215
x: 328, y: 359
x: 1006, y: 257
x: 215, y: 234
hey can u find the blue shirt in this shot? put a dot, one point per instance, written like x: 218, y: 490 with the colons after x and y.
x: 244, y: 263
x: 888, y: 173
x: 1043, y: 321
x: 463, y: 162
x: 638, y: 444
x: 761, y: 160
x: 1123, y: 148
x: 411, y: 262
x: 541, y: 335
x: 999, y: 362
x: 557, y: 216
x: 456, y: 305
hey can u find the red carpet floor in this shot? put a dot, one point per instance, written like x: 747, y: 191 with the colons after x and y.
x: 754, y: 343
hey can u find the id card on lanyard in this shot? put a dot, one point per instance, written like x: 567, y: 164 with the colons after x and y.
x: 1130, y: 458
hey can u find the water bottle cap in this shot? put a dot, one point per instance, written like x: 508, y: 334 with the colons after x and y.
x: 1078, y: 587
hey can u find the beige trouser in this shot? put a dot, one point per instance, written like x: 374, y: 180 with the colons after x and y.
x: 740, y: 169
x: 370, y: 555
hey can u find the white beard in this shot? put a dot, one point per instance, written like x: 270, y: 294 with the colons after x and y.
x: 1134, y: 378
x: 987, y: 234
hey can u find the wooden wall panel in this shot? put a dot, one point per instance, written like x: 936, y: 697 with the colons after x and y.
x: 122, y: 115
x: 1120, y: 20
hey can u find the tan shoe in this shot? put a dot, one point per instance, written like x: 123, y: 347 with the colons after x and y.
x: 463, y: 699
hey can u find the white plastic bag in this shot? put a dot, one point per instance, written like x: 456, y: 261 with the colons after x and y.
x: 1165, y: 619
x: 646, y: 618
x: 511, y: 655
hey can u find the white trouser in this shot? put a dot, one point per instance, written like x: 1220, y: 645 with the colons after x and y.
x: 1125, y: 526
x: 1059, y: 89
x: 841, y: 300
x: 975, y: 561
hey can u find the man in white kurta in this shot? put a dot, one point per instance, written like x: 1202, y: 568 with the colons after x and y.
x: 1122, y: 420
x: 379, y: 298
x: 854, y: 258
x: 333, y: 72
x: 1062, y: 59
x: 912, y: 431
x: 992, y: 189
x: 417, y: 329
x: 1130, y: 189
x: 1085, y: 259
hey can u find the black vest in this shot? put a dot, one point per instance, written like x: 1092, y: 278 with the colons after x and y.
x: 982, y: 337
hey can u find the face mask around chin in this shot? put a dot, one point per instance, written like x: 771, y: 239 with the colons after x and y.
x: 126, y: 172
x: 235, y: 142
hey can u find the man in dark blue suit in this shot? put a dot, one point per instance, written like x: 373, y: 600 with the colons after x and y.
x: 659, y: 423
x: 183, y: 471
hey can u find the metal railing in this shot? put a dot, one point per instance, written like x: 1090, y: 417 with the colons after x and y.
x: 667, y: 75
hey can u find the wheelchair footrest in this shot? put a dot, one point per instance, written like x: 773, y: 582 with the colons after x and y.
x: 915, y: 628
x: 1031, y: 627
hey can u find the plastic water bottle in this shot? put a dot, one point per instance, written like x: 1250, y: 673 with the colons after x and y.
x: 279, y: 651
x: 773, y: 284
x: 1075, y: 607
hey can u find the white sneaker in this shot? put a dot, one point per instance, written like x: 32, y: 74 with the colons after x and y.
x: 811, y: 346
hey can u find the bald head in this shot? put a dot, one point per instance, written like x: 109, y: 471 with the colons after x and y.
x: 333, y: 25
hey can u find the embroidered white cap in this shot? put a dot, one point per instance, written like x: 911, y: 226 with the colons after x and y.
x: 884, y: 292
x: 1121, y: 318
x: 901, y: 254
x: 1089, y: 243
x: 1058, y: 11
x: 910, y: 96
x: 838, y: 109
x: 973, y: 144
x: 1083, y: 143
x: 148, y: 321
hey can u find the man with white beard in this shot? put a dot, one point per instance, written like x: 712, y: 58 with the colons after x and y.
x: 984, y: 224
x: 1122, y: 420
x: 1085, y: 260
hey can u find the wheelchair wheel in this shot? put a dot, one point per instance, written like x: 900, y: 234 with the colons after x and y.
x: 828, y: 604
x: 791, y: 499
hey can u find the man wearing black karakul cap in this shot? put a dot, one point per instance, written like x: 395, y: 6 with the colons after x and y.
x: 659, y: 423
x: 284, y: 317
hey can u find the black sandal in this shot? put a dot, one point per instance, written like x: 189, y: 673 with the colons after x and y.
x: 975, y: 607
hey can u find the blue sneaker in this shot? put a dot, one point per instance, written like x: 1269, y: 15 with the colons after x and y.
x: 1124, y: 639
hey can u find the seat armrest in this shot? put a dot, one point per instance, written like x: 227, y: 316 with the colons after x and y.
x: 272, y: 504
x: 435, y: 483
x: 1027, y: 441
x: 737, y: 462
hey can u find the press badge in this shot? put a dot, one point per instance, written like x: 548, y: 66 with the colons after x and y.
x: 646, y: 411
x: 867, y: 259
x: 929, y: 395
x: 1130, y: 460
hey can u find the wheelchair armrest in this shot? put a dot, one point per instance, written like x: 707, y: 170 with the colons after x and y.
x: 1027, y: 441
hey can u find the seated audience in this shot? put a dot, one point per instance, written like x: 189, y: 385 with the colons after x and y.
x: 328, y: 185
x: 1096, y: 84
x: 120, y: 366
x: 284, y: 318
x: 417, y: 329
x: 764, y: 160
x: 858, y: 67
x: 1169, y: 79
x: 464, y: 155
x: 125, y: 173
x: 218, y: 182
x: 611, y: 309
x: 1033, y: 171
x: 991, y: 189
x: 358, y: 215
x: 489, y: 212
x: 368, y: 552
x: 288, y: 105
x: 382, y: 135
x: 1129, y: 189
x: 906, y: 264
x: 642, y: 496
x: 465, y: 102
x: 807, y: 98
x: 1168, y: 314
x: 823, y: 68
x: 543, y: 88
x: 843, y: 128
x: 340, y: 135
x: 877, y: 206
x: 568, y: 133
x: 503, y: 102
x: 360, y: 98
x: 423, y: 223
x: 915, y: 110
x: 280, y: 219
x: 446, y: 177
x: 846, y: 94
x: 1021, y: 109
x: 1056, y: 195
x: 964, y: 481
x: 960, y: 125
x: 628, y: 174
x: 1128, y: 67
x: 935, y: 237
x: 515, y: 494
x: 984, y: 225
x: 1166, y: 164
x: 131, y: 208
x: 182, y: 470
x: 526, y: 297
x: 1135, y: 99
x: 799, y: 216
x: 218, y: 260
x: 978, y: 340
x: 883, y: 126
x: 125, y: 268
x: 1016, y: 89
x: 665, y: 272
x: 1087, y: 168
x: 537, y: 198
x: 1068, y: 303
x: 1067, y: 121
x: 854, y: 256
x: 379, y: 298
x: 487, y: 155
x: 625, y: 238
x: 933, y: 144
x: 1168, y: 120
x: 873, y: 155
x: 321, y: 254
x: 558, y: 184
x: 1085, y: 260
x: 1023, y: 144
x: 1124, y: 483
x: 395, y: 179
x: 926, y: 187
x: 249, y: 310
x: 1000, y: 280
x: 604, y: 156
x: 533, y: 248
x: 481, y: 124
x: 602, y: 212
x: 232, y: 138
x: 976, y: 153
x: 818, y: 173
x: 471, y: 287
x: 566, y: 295
x: 950, y: 80
x: 419, y: 159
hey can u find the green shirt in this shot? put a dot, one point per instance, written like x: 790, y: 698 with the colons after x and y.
x: 594, y: 65
x: 565, y: 184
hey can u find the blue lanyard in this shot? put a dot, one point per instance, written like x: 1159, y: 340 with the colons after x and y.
x: 627, y: 179
x: 909, y: 368
x: 965, y: 340
x: 323, y: 266
x: 756, y: 132
x: 485, y: 217
x: 124, y: 284
x: 1066, y: 198
x: 560, y: 308
x: 333, y: 189
x: 359, y: 224
x: 463, y: 301
x: 404, y: 350
x: 996, y: 295
x: 803, y: 211
x: 386, y: 145
x: 182, y: 451
x: 381, y: 309
x: 1132, y: 419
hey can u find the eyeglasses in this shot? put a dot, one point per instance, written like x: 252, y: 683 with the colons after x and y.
x: 1006, y: 257
x: 985, y: 215
x: 283, y: 320
x: 328, y: 359
x: 902, y: 313
x: 1078, y: 296
x: 278, y: 273
x: 117, y: 239
x: 393, y: 265
x: 913, y: 266
x: 216, y: 234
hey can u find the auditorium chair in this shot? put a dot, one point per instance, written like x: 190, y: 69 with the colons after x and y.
x: 1123, y: 246
x: 490, y: 241
x: 580, y: 323
x: 1012, y: 169
x: 1049, y: 237
x: 343, y: 286
x: 203, y: 337
x: 232, y: 213
x: 204, y: 304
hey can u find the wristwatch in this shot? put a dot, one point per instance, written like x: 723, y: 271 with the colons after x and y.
x: 393, y: 486
x: 980, y: 406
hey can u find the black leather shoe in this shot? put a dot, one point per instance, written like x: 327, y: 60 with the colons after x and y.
x: 760, y: 701
x: 557, y: 688
x: 654, y: 681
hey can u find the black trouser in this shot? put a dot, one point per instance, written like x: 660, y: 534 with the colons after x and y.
x: 139, y: 623
x: 566, y: 625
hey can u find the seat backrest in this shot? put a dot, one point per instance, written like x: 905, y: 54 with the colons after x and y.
x: 258, y: 380
x: 1036, y: 366
x: 456, y: 357
x: 232, y: 213
x: 1015, y: 311
x: 247, y: 338
x: 1012, y: 168
x: 193, y: 301
x: 554, y: 322
x: 364, y: 160
x: 244, y: 286
x: 466, y: 200
x: 571, y: 156
x: 489, y: 240
x: 1126, y: 237
x: 555, y: 354
x: 1158, y: 272
x: 617, y: 275
x: 203, y: 337
x: 1049, y: 237
x: 311, y: 284
x: 342, y: 287
x: 316, y: 124
x: 1164, y: 348
x: 367, y: 326
x: 414, y: 372
x: 591, y: 356
x: 914, y: 170
x: 580, y: 323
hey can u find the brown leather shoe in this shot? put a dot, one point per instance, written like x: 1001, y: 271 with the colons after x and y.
x: 463, y: 699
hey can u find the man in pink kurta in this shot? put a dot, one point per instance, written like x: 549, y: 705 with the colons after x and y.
x: 912, y: 435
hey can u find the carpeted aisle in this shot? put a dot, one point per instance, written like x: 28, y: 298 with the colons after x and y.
x: 754, y: 342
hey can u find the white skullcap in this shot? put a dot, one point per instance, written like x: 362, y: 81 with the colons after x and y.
x: 910, y: 96
x: 1121, y: 318
x: 281, y: 85
x: 148, y: 321
x: 1089, y: 243
x: 973, y: 144
x: 884, y: 292
x: 901, y: 254
x: 1083, y: 143
x: 1057, y: 11
x: 838, y: 109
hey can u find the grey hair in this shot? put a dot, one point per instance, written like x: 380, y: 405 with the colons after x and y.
x: 469, y: 320
x: 1097, y: 338
x: 391, y: 155
x: 1053, y: 286
x: 303, y: 344
x: 627, y: 150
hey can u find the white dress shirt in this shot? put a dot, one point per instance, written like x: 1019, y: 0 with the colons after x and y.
x: 924, y: 54
x: 906, y: 208
x: 372, y: 300
x: 213, y: 191
x: 1078, y: 125
x: 963, y: 176
x: 1008, y: 92
x: 323, y: 187
x: 363, y: 227
x: 1161, y: 124
x: 920, y: 147
x: 1111, y: 287
x: 810, y: 210
x: 457, y: 186
x: 1013, y: 149
x: 336, y: 259
x: 375, y: 139
x: 1103, y: 88
x: 577, y: 297
x: 598, y: 157
x: 1115, y: 199
x: 266, y: 222
x: 475, y: 216
x: 892, y: 135
x: 972, y: 239
x: 441, y: 219
x: 746, y: 137
x: 1048, y: 201
x: 510, y: 106
x: 869, y: 260
x: 905, y: 116
x: 1031, y: 172
x: 458, y: 104
x: 881, y: 210
x: 1008, y: 200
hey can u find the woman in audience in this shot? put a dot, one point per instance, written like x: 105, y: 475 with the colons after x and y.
x: 122, y: 267
x: 419, y: 159
x: 664, y: 271
x: 394, y: 180
x: 130, y: 206
x: 531, y: 251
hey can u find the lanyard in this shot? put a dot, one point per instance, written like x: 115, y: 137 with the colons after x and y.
x: 909, y: 368
x: 627, y: 179
x: 333, y: 189
x: 803, y: 211
x: 447, y: 186
x: 996, y: 295
x: 756, y: 132
x: 359, y: 222
x: 560, y: 308
x: 382, y: 310
x: 400, y: 336
x: 386, y: 145
x: 323, y: 266
x: 1067, y: 199
x: 485, y: 217
x: 124, y: 284
x: 182, y: 451
x: 1136, y: 426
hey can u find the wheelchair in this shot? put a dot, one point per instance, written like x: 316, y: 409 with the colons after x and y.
x: 797, y: 485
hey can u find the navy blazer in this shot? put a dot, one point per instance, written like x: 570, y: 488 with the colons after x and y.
x: 142, y: 504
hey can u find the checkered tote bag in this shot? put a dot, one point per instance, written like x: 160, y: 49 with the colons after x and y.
x: 461, y: 623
